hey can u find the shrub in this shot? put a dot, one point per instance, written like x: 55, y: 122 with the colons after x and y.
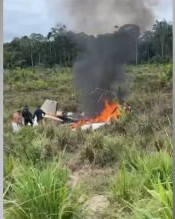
x: 68, y: 139
x: 55, y: 139
x: 63, y: 138
x: 36, y: 150
x: 126, y: 186
x: 49, y: 129
x: 100, y: 150
x: 40, y: 84
x: 166, y: 76
x: 20, y: 143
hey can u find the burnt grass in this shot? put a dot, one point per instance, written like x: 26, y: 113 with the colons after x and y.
x: 95, y: 156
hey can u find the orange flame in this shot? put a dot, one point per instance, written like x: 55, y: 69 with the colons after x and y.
x: 110, y: 111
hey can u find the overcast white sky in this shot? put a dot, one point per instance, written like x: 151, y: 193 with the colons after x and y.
x: 23, y: 17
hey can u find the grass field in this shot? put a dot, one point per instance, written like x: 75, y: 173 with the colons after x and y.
x: 126, y: 167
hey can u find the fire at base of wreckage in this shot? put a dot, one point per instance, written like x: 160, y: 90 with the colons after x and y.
x: 111, y: 111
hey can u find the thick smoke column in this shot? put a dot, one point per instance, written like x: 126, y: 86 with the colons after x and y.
x: 102, y: 63
x: 100, y: 16
x: 101, y: 66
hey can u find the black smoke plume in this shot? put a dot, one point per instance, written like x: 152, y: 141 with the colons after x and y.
x: 102, y: 65
x: 100, y: 16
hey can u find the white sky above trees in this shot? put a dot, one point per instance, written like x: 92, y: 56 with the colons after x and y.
x: 23, y: 17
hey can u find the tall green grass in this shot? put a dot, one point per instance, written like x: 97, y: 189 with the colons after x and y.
x: 158, y: 205
x: 144, y: 185
x: 41, y: 194
x: 102, y: 150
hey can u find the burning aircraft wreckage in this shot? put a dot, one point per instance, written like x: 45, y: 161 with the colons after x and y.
x: 98, y: 74
x: 110, y: 112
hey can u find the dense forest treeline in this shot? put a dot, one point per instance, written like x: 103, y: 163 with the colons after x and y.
x: 61, y: 47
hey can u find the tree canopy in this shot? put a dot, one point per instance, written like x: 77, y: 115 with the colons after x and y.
x: 62, y: 46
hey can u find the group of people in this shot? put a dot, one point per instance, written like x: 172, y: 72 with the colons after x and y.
x: 25, y: 117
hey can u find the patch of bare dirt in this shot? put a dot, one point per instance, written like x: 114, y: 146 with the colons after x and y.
x: 96, y: 205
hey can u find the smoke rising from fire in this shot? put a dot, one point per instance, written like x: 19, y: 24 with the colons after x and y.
x: 102, y: 66
x: 102, y: 63
x: 100, y: 16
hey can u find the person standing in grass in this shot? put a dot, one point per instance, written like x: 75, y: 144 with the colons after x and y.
x: 27, y: 115
x: 16, y: 121
x: 39, y: 113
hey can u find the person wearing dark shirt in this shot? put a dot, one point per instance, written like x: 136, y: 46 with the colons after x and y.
x: 39, y: 113
x: 27, y: 115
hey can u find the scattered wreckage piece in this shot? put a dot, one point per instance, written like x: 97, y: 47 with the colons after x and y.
x: 50, y: 107
x: 47, y: 116
x: 92, y: 126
